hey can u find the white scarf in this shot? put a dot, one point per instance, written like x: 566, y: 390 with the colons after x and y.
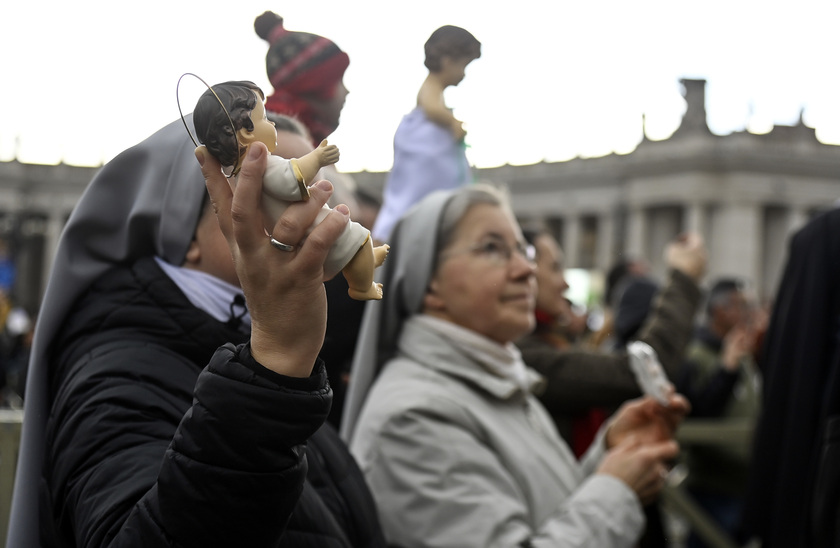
x: 208, y: 293
x: 504, y: 361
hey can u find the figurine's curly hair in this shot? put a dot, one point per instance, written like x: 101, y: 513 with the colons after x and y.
x: 212, y: 125
x: 452, y: 41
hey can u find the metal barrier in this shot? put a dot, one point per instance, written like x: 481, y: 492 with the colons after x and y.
x: 675, y: 498
x: 10, y: 423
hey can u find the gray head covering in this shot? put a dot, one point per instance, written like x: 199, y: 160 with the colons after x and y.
x: 146, y: 201
x: 407, y: 273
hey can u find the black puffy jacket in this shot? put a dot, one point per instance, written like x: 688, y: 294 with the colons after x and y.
x: 156, y: 438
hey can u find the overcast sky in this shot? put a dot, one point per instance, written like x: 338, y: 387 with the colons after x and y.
x: 84, y: 80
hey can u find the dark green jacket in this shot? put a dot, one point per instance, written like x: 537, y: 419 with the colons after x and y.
x: 578, y: 380
x: 717, y: 393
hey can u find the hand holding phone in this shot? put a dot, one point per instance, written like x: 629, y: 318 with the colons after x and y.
x: 648, y: 371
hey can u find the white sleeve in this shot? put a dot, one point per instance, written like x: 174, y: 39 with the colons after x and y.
x: 280, y: 186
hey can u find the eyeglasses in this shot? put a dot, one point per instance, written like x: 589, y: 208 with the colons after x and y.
x: 496, y: 251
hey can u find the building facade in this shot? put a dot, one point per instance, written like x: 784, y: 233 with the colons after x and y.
x: 744, y: 193
x: 35, y: 203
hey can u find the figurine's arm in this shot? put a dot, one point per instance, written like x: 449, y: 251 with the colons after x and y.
x: 308, y: 165
x: 430, y: 99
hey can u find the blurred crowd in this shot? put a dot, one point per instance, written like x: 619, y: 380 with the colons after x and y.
x: 16, y: 330
x: 197, y: 377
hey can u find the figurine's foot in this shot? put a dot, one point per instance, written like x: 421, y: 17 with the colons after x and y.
x: 379, y: 254
x: 373, y: 293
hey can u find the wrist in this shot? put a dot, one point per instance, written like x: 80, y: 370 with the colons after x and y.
x: 280, y: 358
x: 315, y: 381
x: 693, y: 272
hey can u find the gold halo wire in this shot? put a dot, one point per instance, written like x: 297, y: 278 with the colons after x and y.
x: 236, y: 166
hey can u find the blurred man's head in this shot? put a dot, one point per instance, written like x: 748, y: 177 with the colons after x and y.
x: 726, y: 306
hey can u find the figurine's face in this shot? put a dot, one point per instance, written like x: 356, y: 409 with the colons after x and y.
x: 453, y: 69
x: 263, y: 128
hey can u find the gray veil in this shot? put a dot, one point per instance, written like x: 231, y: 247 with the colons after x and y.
x: 407, y: 273
x: 146, y: 201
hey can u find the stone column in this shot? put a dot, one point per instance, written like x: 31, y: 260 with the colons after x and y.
x: 636, y: 245
x: 736, y: 242
x: 605, y: 252
x: 571, y: 239
x: 695, y: 218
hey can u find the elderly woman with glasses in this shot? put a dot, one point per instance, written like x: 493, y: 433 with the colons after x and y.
x: 441, y: 413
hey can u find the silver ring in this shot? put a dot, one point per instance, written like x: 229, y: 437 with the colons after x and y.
x: 280, y: 245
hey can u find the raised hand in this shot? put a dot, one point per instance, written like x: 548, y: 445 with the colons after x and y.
x: 283, y: 287
x: 688, y: 254
x: 327, y: 154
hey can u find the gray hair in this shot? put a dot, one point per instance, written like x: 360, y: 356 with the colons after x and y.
x: 462, y: 201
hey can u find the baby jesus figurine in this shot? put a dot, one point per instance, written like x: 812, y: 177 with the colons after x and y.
x: 228, y: 119
x: 429, y: 148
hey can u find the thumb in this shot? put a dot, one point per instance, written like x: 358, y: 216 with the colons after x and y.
x: 665, y: 450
